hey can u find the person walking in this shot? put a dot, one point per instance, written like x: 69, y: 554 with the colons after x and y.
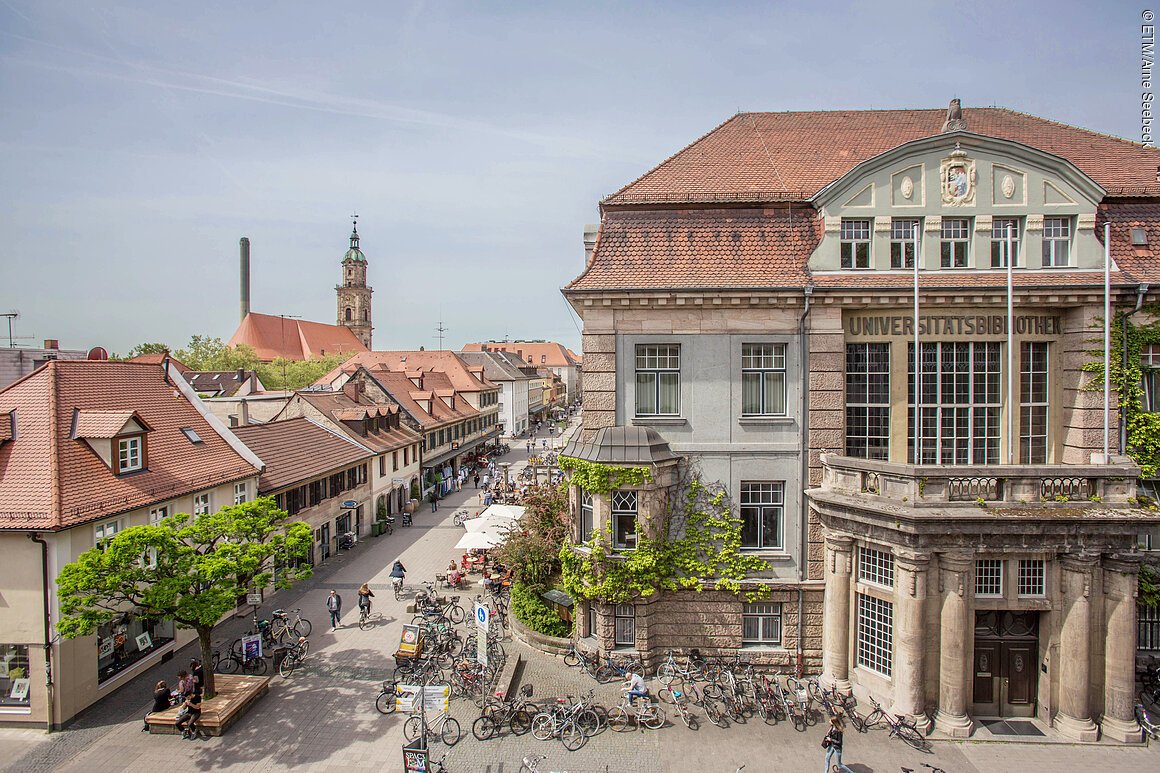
x: 477, y: 480
x: 334, y: 605
x: 832, y: 743
x: 434, y: 501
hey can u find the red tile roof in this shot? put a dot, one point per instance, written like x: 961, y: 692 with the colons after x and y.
x: 50, y: 480
x: 101, y: 424
x: 159, y: 359
x: 340, y: 407
x: 457, y: 373
x: 1140, y: 263
x: 547, y: 353
x: 701, y: 249
x: 793, y: 155
x: 298, y: 450
x: 272, y: 337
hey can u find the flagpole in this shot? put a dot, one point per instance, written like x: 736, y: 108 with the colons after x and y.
x: 1010, y: 345
x: 1107, y: 334
x: 917, y: 361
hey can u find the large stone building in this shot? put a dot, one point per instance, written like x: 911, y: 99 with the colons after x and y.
x: 354, y: 297
x: 750, y: 305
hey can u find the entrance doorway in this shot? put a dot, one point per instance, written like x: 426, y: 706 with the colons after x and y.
x: 1006, y: 680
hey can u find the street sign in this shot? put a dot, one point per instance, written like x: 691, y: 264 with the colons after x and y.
x: 349, y: 504
x: 435, y: 698
x: 254, y: 599
x: 481, y: 624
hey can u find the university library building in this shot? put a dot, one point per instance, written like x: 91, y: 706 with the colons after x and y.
x: 877, y: 331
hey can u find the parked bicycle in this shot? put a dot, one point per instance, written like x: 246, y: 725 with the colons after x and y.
x: 560, y: 721
x: 294, y: 658
x: 644, y: 713
x: 516, y: 713
x: 691, y: 670
x: 385, y: 703
x: 614, y: 669
x: 1147, y: 722
x: 444, y: 727
x: 898, y: 725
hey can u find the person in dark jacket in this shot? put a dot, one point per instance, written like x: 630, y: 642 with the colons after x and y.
x: 833, y: 744
x: 189, y: 715
x: 334, y: 606
x: 162, y: 700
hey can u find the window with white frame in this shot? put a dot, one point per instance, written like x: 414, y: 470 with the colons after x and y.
x: 988, y: 577
x: 955, y: 242
x: 1032, y: 577
x: 1150, y: 377
x: 15, y: 677
x: 658, y: 380
x: 105, y: 531
x: 241, y: 492
x: 876, y: 566
x: 763, y: 379
x: 586, y: 516
x: 855, y: 241
x: 1033, y: 403
x: 624, y: 621
x: 624, y: 520
x: 158, y: 514
x: 1004, y: 239
x: 1056, y: 241
x: 902, y: 242
x: 875, y: 634
x: 868, y: 400
x: 762, y: 507
x: 201, y: 504
x: 130, y: 454
x: 960, y: 402
x: 761, y: 624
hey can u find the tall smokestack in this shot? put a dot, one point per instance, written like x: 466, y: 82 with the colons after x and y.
x: 244, y: 243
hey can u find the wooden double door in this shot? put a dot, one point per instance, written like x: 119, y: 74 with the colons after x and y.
x: 1006, y: 673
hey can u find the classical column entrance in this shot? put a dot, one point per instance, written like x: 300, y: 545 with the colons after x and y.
x: 1006, y: 673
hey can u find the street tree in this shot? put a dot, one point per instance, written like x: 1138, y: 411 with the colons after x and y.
x: 143, y: 348
x: 189, y: 569
x: 208, y: 353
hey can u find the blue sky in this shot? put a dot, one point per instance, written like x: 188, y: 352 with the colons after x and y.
x: 139, y: 141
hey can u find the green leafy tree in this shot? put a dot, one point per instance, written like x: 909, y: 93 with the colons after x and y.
x: 295, y: 374
x: 206, y: 353
x: 191, y: 570
x: 140, y: 349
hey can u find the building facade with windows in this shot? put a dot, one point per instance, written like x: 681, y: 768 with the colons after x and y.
x: 88, y: 449
x: 977, y: 560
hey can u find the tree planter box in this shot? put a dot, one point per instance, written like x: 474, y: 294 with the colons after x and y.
x: 235, y: 696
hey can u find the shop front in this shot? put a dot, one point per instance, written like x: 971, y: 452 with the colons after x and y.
x: 127, y: 639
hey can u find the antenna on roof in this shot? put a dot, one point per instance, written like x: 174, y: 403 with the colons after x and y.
x: 439, y: 331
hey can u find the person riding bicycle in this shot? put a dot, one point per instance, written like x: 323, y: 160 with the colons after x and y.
x: 634, y: 684
x: 398, y: 574
x: 365, y: 594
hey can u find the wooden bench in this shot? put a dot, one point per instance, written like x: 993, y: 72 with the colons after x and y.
x: 235, y: 695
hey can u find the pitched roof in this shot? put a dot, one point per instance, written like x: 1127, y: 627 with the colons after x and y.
x: 52, y: 480
x: 496, y: 365
x: 340, y: 407
x: 457, y: 371
x: 1138, y: 263
x: 218, y: 383
x: 158, y: 358
x: 409, y: 397
x: 100, y: 424
x: 297, y: 450
x: 705, y: 248
x: 793, y: 155
x: 272, y: 337
x: 548, y: 353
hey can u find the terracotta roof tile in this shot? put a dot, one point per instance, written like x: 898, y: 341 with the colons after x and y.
x: 101, y: 424
x: 454, y: 370
x: 548, y: 353
x: 298, y: 450
x: 272, y: 337
x: 340, y: 407
x: 793, y: 155
x: 49, y: 480
x: 158, y: 359
x: 1139, y: 263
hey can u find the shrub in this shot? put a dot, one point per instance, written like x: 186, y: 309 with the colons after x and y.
x: 531, y: 610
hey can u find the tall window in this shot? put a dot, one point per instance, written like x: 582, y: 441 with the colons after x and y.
x: 902, y: 234
x: 129, y: 454
x: 1031, y: 577
x: 658, y: 380
x: 875, y: 633
x: 988, y: 577
x: 960, y: 403
x: 586, y: 516
x: 624, y: 617
x: 105, y: 531
x: 15, y: 679
x: 761, y: 515
x: 1033, y: 403
x: 763, y: 379
x: 1148, y: 628
x: 855, y: 239
x: 1150, y: 376
x: 761, y: 624
x: 876, y: 566
x: 201, y: 504
x: 999, y: 246
x: 241, y: 492
x: 868, y: 400
x: 624, y: 520
x: 1056, y: 241
x: 956, y: 238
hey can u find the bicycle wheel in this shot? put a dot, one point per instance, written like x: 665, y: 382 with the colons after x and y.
x: 666, y: 694
x: 303, y: 626
x: 385, y: 703
x: 521, y: 722
x: 364, y: 622
x: 856, y: 719
x: 909, y: 733
x: 572, y: 736
x: 228, y: 664
x: 450, y: 732
x: 571, y: 659
x: 619, y: 720
x: 666, y: 673
x: 606, y: 674
x: 412, y: 728
x: 714, y: 715
x: 286, y: 667
x: 589, y: 722
x: 543, y: 727
x: 398, y: 589
x: 654, y: 718
x: 455, y: 614
x: 811, y: 716
x: 872, y: 719
x: 256, y: 666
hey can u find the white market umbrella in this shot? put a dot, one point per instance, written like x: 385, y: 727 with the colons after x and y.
x: 497, y: 522
x: 479, y: 540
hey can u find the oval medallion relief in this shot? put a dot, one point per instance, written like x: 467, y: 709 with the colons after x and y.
x: 906, y: 188
x: 1008, y: 186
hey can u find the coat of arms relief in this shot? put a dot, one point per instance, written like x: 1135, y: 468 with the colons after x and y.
x: 958, y: 179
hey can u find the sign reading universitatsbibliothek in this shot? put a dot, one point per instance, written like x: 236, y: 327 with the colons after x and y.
x: 960, y: 325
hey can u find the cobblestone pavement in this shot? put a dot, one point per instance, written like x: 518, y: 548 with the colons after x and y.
x: 323, y: 718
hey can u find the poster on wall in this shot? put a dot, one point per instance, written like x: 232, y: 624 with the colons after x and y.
x: 144, y: 643
x: 252, y: 646
x: 106, y: 648
x: 20, y: 689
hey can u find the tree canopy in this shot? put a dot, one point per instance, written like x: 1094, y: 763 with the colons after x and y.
x: 191, y: 570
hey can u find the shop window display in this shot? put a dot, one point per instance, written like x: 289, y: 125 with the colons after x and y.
x: 15, y: 681
x: 127, y: 639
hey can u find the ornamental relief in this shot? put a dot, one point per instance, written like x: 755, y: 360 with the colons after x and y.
x: 958, y: 176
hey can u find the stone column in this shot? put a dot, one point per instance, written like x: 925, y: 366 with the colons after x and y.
x: 836, y: 622
x: 910, y: 587
x: 1074, y: 719
x: 1119, y: 720
x: 954, y: 668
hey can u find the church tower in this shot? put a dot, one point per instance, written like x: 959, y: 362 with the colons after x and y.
x: 354, y: 297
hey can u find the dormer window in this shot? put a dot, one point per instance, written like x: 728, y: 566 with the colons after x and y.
x: 855, y: 238
x: 130, y: 454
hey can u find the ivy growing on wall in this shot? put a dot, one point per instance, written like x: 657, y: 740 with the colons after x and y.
x: 697, y: 547
x: 596, y: 478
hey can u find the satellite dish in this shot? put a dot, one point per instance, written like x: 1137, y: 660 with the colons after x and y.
x: 98, y: 353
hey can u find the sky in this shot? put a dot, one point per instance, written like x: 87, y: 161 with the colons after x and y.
x: 139, y: 141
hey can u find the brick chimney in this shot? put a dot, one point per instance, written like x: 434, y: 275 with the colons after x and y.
x: 353, y: 389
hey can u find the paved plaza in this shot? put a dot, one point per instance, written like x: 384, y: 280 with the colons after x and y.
x: 323, y: 718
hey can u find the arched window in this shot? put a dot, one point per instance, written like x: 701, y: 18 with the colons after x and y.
x: 348, y: 314
x: 366, y: 316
